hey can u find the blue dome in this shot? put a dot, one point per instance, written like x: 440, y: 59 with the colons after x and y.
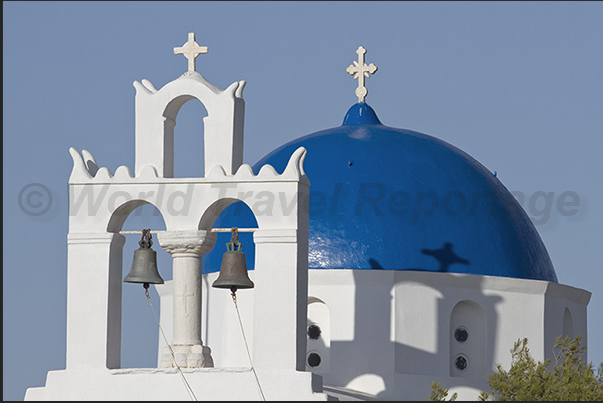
x: 395, y: 199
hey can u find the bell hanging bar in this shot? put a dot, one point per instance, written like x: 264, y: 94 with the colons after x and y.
x: 212, y: 230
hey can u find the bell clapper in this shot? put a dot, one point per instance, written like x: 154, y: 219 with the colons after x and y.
x: 233, y: 294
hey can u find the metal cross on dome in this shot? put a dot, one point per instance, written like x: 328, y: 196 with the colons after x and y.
x: 190, y: 50
x: 360, y: 70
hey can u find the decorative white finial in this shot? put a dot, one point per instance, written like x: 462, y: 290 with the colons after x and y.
x: 360, y: 70
x: 190, y: 50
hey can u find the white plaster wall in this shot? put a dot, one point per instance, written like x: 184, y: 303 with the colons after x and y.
x: 391, y: 332
x: 94, y: 292
x: 318, y: 315
x: 208, y: 384
x: 361, y: 348
x: 557, y: 299
x: 221, y: 324
x: 419, y: 346
x: 469, y: 316
x: 196, y: 201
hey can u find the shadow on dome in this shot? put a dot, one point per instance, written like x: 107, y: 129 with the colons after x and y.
x: 445, y: 256
x: 374, y: 264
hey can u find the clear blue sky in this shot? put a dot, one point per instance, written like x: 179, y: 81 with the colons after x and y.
x: 517, y: 85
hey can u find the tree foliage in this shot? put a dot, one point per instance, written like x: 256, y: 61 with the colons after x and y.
x: 439, y: 393
x: 569, y: 379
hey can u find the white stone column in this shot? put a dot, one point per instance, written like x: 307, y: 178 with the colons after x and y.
x: 187, y: 248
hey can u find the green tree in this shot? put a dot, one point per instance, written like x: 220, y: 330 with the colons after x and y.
x: 570, y: 379
x: 439, y: 393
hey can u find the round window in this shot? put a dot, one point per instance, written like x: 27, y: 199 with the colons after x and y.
x: 461, y: 334
x: 314, y: 360
x: 461, y: 362
x: 314, y: 332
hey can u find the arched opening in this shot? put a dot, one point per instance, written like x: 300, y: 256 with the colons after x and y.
x: 237, y: 214
x: 318, y: 330
x: 221, y: 329
x: 467, y: 340
x: 139, y: 329
x: 189, y: 157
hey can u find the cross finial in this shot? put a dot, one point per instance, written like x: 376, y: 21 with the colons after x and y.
x: 190, y: 50
x: 360, y: 70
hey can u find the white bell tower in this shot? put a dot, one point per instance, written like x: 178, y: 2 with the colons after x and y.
x: 156, y: 112
x: 100, y: 202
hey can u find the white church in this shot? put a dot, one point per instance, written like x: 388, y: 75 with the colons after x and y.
x: 381, y: 259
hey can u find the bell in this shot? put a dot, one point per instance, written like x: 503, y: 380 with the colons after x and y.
x: 233, y: 272
x: 144, y: 265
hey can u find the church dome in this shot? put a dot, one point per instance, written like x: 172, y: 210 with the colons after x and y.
x: 395, y: 199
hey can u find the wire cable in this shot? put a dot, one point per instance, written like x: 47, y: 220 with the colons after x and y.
x: 188, y: 387
x: 234, y: 299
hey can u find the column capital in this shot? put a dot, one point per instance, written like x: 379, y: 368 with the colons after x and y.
x: 186, y: 243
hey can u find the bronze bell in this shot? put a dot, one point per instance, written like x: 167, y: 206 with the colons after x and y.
x: 233, y: 272
x: 144, y: 265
